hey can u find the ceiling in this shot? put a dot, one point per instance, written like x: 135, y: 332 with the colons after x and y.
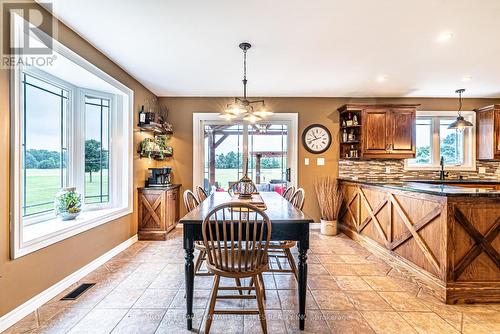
x: 355, y: 48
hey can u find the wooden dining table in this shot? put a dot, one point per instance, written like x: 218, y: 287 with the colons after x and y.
x: 288, y: 223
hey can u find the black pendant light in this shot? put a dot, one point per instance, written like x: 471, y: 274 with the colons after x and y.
x: 461, y: 123
x: 243, y: 107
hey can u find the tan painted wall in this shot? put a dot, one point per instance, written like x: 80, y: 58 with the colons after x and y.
x: 310, y: 110
x: 27, y: 276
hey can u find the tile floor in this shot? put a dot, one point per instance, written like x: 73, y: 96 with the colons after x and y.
x: 141, y: 290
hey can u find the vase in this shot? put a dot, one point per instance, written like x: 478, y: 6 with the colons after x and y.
x: 328, y: 227
x: 67, y: 203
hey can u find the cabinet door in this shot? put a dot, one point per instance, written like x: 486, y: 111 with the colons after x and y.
x: 497, y: 134
x: 375, y: 128
x: 171, y: 209
x: 402, y: 134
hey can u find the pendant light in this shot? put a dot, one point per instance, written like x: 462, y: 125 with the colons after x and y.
x: 461, y: 123
x: 242, y: 107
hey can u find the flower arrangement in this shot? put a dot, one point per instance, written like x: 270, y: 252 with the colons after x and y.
x: 67, y: 203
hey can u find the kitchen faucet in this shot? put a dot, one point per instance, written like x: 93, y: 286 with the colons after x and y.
x: 442, y: 173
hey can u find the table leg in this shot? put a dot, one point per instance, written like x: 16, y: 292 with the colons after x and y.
x: 189, y: 276
x: 302, y: 285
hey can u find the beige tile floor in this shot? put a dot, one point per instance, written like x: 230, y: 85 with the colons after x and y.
x: 141, y: 290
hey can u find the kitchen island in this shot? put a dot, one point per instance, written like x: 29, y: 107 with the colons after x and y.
x: 446, y: 237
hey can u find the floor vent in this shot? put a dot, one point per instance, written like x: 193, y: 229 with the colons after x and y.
x: 80, y: 290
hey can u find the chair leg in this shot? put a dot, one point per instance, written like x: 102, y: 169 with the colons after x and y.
x: 211, y: 307
x: 263, y: 286
x: 199, y: 261
x: 238, y: 284
x: 291, y: 261
x: 251, y: 283
x: 260, y: 303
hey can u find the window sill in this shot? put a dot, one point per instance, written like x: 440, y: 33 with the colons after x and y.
x: 43, y: 234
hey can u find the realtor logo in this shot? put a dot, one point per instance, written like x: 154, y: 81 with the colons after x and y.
x: 27, y: 31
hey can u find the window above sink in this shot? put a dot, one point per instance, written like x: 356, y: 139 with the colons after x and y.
x: 434, y: 140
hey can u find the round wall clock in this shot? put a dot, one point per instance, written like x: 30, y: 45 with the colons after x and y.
x: 316, y: 138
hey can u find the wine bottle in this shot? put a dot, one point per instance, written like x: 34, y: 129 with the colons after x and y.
x: 142, y: 116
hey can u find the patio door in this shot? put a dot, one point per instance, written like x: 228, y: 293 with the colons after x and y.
x: 223, y: 150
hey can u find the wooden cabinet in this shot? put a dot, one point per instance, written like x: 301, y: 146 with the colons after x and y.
x: 158, y: 212
x: 386, y: 131
x: 488, y: 132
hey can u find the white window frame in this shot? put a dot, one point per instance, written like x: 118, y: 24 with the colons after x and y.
x: 469, y: 143
x: 200, y: 119
x: 121, y: 143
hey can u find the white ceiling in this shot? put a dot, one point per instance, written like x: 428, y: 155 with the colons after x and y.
x: 300, y: 47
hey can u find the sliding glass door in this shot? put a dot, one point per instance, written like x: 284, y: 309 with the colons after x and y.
x: 230, y: 148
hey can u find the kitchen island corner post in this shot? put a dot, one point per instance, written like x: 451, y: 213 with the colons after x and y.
x: 188, y: 241
x: 303, y: 246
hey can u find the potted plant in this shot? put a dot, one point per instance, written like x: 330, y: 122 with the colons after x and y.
x: 67, y: 203
x: 329, y: 200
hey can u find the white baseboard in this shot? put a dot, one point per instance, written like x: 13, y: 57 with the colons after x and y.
x: 315, y: 226
x: 31, y: 305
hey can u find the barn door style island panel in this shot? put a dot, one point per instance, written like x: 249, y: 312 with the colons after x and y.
x: 445, y: 237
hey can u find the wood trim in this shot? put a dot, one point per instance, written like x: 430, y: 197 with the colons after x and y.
x: 483, y: 243
x: 374, y: 218
x: 421, y: 243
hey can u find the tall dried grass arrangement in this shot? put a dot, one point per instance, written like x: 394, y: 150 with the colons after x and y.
x: 329, y: 197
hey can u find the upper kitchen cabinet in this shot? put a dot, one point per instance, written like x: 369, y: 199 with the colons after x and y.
x: 488, y: 132
x: 382, y: 131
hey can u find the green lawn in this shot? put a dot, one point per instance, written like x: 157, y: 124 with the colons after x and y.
x: 224, y: 176
x: 43, y: 184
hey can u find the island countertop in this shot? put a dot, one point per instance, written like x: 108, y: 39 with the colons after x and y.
x: 432, y: 187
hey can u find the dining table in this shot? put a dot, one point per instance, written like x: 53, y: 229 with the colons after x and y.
x: 287, y: 223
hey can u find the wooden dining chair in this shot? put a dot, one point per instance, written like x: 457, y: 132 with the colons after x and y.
x: 202, y: 195
x: 282, y: 249
x: 289, y: 193
x: 191, y: 202
x: 236, y: 236
x: 298, y: 198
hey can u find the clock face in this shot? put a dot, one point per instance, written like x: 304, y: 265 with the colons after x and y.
x: 316, y: 138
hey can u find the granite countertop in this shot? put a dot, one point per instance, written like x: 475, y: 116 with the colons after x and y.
x: 428, y: 188
x: 455, y: 181
x: 166, y: 187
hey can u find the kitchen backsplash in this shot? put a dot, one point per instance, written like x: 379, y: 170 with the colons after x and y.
x: 394, y: 169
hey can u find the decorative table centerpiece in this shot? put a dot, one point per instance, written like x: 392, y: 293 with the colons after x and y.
x: 67, y: 203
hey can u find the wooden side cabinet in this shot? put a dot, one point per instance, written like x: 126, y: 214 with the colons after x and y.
x: 387, y: 131
x: 158, y: 211
x: 488, y: 132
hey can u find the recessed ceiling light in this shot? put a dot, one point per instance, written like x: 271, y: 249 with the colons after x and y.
x: 381, y: 78
x: 466, y: 78
x: 445, y: 36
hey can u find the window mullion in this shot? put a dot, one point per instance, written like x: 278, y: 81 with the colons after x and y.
x: 436, y: 145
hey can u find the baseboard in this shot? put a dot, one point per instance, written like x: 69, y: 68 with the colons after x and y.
x: 32, y: 304
x: 315, y: 226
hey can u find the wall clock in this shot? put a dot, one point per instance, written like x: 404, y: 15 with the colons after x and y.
x: 316, y: 138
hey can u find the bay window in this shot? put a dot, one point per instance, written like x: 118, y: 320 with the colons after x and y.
x: 71, y: 127
x: 434, y: 140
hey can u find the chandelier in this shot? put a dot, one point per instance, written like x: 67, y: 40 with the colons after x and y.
x: 242, y: 107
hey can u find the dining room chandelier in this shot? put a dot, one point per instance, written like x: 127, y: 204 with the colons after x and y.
x: 243, y: 107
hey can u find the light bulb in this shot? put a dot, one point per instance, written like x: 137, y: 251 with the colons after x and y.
x: 252, y: 118
x: 227, y: 117
x: 263, y: 112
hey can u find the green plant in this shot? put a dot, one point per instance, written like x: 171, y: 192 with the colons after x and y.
x: 156, y: 148
x: 68, y: 200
